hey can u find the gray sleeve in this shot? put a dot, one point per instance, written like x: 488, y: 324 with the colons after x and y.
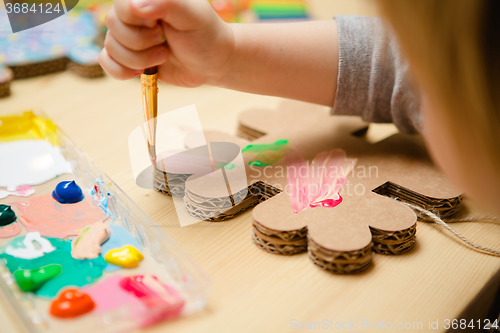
x: 373, y: 79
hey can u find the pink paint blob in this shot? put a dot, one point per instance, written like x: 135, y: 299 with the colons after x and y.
x: 20, y: 191
x: 144, y: 298
x: 158, y: 297
x: 24, y: 191
x: 88, y: 244
x: 10, y: 230
x: 53, y: 219
x: 109, y: 295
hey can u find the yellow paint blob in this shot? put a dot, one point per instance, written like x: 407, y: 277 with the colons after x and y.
x: 27, y: 126
x: 127, y: 257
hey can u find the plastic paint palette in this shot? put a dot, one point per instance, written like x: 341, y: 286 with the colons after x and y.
x: 162, y: 257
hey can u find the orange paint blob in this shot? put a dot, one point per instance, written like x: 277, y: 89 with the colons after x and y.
x: 71, y: 303
x: 53, y: 219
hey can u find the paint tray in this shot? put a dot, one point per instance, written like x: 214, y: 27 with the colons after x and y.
x: 163, y: 258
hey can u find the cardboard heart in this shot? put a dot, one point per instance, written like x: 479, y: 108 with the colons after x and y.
x: 339, y: 239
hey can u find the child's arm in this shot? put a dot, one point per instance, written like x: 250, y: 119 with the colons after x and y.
x: 294, y: 60
x: 373, y: 76
x: 304, y: 61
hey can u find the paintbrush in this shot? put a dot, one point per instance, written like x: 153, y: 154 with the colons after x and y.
x: 149, y: 81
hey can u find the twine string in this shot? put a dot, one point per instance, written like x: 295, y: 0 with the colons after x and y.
x: 472, y: 219
x: 442, y: 223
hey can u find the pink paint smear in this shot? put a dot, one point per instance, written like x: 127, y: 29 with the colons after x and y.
x: 142, y: 304
x: 51, y: 218
x: 317, y: 184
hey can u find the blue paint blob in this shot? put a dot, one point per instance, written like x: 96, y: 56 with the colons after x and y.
x: 68, y: 192
x: 119, y: 238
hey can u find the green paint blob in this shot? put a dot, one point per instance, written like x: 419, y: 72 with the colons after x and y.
x: 7, y: 215
x: 75, y: 272
x: 267, y: 153
x: 229, y: 166
x: 30, y: 280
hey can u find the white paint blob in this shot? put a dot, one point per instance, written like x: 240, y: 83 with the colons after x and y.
x: 29, y: 251
x: 30, y: 162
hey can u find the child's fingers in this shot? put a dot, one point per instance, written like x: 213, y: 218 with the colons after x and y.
x: 153, y: 56
x: 121, y: 9
x: 134, y: 37
x: 114, y: 69
x: 180, y: 14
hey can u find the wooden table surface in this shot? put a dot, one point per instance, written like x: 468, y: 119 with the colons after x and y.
x: 253, y: 291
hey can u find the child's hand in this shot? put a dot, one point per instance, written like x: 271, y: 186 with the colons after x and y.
x: 185, y: 38
x: 193, y: 46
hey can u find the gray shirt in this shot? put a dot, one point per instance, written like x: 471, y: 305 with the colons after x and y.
x: 373, y: 79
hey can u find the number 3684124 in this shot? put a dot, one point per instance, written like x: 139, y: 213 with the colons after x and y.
x: 25, y: 8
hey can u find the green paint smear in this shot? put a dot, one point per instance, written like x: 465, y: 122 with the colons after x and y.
x: 77, y: 273
x: 80, y: 236
x: 262, y: 147
x: 278, y: 7
x: 7, y: 215
x: 267, y: 153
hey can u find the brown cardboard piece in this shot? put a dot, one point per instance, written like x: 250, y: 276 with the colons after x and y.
x: 6, y: 77
x: 29, y: 70
x: 338, y: 239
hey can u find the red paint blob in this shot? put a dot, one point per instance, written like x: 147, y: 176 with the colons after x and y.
x: 71, y: 303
